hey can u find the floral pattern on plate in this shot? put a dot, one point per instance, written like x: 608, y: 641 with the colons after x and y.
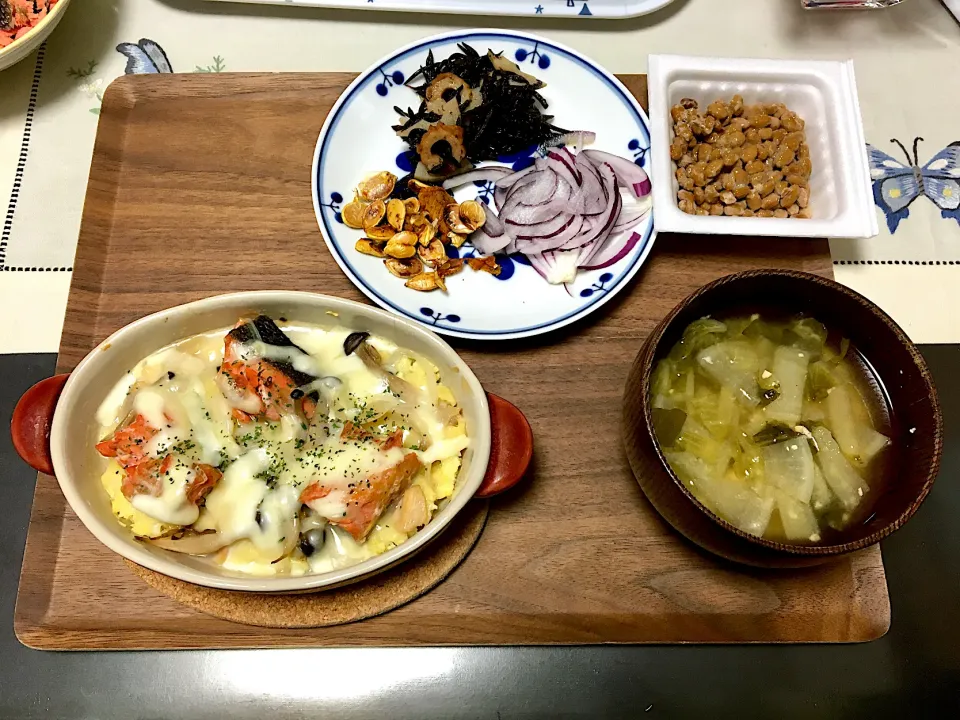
x: 357, y: 140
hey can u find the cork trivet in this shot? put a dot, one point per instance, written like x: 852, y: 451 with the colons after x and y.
x: 382, y: 593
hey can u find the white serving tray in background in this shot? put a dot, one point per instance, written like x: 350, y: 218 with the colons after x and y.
x: 823, y: 93
x: 533, y: 8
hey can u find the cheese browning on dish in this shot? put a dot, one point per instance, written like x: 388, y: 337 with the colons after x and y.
x: 284, y: 451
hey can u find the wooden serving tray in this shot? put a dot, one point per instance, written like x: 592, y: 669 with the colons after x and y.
x: 201, y: 185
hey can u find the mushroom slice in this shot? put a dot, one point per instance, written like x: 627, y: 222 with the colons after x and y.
x: 456, y: 239
x: 472, y: 214
x: 368, y: 247
x: 433, y: 200
x: 451, y: 216
x: 412, y: 513
x: 425, y: 282
x: 484, y: 264
x: 190, y: 542
x: 415, y: 222
x: 356, y: 343
x: 427, y: 234
x: 404, y: 268
x: 377, y: 187
x: 352, y: 214
x: 434, y: 253
x: 416, y: 186
x: 374, y: 214
x: 380, y: 233
x: 396, y: 213
x: 353, y: 341
x: 450, y: 267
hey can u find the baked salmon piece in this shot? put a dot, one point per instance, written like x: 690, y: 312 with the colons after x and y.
x: 205, y: 479
x: 367, y: 500
x: 143, y: 475
x: 266, y: 387
x: 129, y: 443
x: 147, y: 478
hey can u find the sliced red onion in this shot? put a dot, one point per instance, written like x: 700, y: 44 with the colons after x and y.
x: 487, y: 174
x: 539, y: 264
x: 539, y: 190
x: 499, y: 196
x: 564, y: 166
x: 592, y: 198
x: 633, y: 213
x: 613, y: 251
x: 598, y: 227
x: 512, y: 178
x: 542, y: 231
x: 575, y: 138
x: 489, y: 244
x: 629, y: 174
x: 563, y: 266
x: 493, y: 225
x: 566, y: 211
x: 531, y: 215
x: 540, y: 244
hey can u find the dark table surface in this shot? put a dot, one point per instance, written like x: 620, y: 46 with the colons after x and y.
x: 912, y: 672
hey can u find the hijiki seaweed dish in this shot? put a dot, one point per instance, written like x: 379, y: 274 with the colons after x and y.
x: 474, y: 107
x: 571, y: 210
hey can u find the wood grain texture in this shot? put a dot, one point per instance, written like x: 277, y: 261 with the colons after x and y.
x: 201, y: 185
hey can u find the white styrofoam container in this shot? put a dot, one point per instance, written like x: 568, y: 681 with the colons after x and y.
x: 823, y: 93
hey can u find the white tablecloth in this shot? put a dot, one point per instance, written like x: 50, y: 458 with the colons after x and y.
x: 905, y: 64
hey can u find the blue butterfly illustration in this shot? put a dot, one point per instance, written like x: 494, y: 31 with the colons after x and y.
x: 144, y: 57
x: 896, y: 185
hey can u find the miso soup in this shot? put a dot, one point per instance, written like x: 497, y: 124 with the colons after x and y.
x: 774, y: 424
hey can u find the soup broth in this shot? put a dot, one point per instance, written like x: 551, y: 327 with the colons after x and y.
x: 773, y: 423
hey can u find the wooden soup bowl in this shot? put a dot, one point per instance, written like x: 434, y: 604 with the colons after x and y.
x: 896, y: 364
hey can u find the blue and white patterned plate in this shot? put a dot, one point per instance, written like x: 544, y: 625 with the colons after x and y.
x: 573, y: 9
x: 357, y: 140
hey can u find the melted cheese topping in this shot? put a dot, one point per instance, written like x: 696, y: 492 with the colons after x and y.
x: 266, y: 465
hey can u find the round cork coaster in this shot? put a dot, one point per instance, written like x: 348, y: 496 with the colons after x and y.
x: 368, y: 598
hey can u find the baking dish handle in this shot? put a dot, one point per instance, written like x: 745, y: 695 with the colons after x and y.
x: 511, y: 447
x: 30, y: 424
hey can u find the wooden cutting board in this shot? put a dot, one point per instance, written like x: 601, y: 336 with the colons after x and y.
x: 201, y: 185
